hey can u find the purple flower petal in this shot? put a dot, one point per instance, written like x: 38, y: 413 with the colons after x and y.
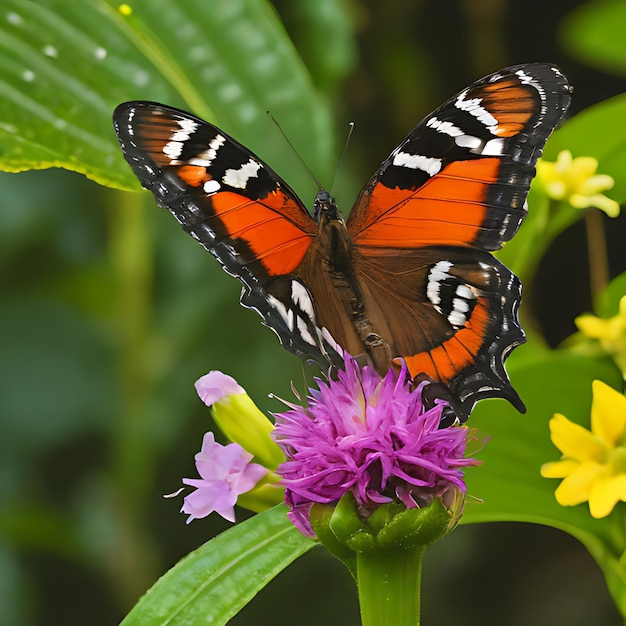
x: 225, y: 473
x: 215, y: 386
x: 369, y: 435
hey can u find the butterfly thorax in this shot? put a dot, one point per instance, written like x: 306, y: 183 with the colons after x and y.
x: 332, y: 233
x: 338, y: 261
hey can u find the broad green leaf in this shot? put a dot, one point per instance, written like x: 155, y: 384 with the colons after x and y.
x: 65, y: 66
x: 594, y: 34
x: 212, y: 583
x: 325, y: 33
x: 509, y: 485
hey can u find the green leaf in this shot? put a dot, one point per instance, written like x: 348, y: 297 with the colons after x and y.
x: 65, y: 66
x: 508, y: 484
x: 594, y: 34
x: 325, y: 34
x: 608, y: 305
x: 210, y: 585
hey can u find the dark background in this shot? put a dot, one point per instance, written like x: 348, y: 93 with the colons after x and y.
x: 84, y: 530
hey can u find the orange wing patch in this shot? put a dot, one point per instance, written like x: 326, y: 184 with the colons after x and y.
x: 193, y: 175
x: 448, y: 209
x: 444, y: 362
x: 278, y: 243
x: 512, y: 103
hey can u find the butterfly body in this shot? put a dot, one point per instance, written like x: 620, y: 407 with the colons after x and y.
x: 408, y: 276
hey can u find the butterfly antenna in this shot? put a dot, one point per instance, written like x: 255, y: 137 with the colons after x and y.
x: 343, y: 152
x: 304, y: 165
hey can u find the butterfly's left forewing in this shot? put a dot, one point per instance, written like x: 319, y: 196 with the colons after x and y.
x: 234, y: 205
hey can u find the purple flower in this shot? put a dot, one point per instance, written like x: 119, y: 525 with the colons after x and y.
x: 372, y: 436
x: 225, y: 473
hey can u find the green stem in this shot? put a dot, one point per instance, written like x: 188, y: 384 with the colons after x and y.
x: 389, y: 586
x: 132, y: 557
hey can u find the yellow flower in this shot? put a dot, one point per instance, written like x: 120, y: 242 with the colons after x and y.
x: 611, y: 333
x: 576, y: 181
x: 593, y: 465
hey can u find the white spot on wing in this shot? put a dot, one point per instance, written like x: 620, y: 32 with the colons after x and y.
x: 464, y: 291
x: 494, y: 147
x: 460, y: 305
x: 438, y: 273
x: 204, y: 159
x: 429, y: 165
x: 330, y: 340
x: 468, y: 141
x: 239, y: 178
x: 304, y: 332
x: 445, y: 128
x: 457, y: 318
x: 100, y: 54
x: 211, y: 186
x: 527, y: 79
x: 301, y: 297
x: 28, y: 76
x: 174, y: 147
x: 278, y: 306
x: 473, y: 107
x: 50, y: 51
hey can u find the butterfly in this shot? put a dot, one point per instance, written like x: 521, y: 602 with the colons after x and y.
x: 409, y: 275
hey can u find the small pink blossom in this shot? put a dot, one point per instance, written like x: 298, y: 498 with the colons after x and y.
x: 216, y: 386
x: 225, y: 473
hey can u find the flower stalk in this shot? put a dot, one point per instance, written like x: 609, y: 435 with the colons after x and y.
x: 389, y: 586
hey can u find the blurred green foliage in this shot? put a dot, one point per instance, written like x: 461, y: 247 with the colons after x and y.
x: 110, y: 312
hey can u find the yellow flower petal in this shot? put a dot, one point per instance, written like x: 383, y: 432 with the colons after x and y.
x: 563, y: 161
x: 556, y: 189
x: 576, y: 181
x: 582, y: 168
x: 574, y: 441
x: 610, y: 332
x: 604, y: 495
x: 593, y: 467
x: 592, y: 326
x: 606, y: 204
x: 559, y: 469
x: 595, y: 184
x: 576, y: 487
x: 608, y: 414
x: 619, y: 486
